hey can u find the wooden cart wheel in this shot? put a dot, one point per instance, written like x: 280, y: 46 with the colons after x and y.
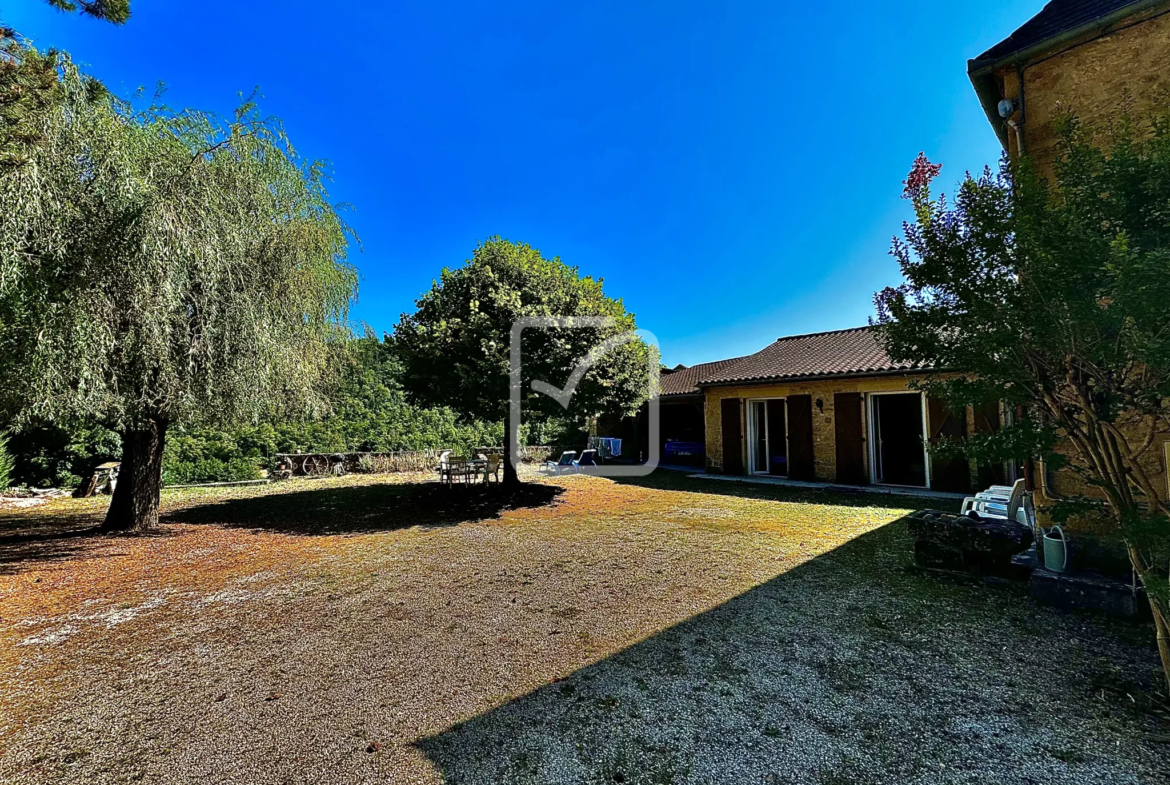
x: 316, y: 465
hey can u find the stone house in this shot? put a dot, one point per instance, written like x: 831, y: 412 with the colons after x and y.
x: 832, y: 407
x: 825, y: 407
x: 1093, y: 58
x: 1087, y: 56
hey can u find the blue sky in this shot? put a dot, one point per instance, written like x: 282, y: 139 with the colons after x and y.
x: 731, y: 169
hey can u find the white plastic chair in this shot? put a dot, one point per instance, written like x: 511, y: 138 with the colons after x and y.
x: 998, y: 501
x: 492, y: 469
x: 444, y: 467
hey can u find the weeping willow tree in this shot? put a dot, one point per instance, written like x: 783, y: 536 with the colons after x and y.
x: 160, y: 267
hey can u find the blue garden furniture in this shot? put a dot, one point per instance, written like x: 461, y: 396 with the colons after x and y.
x: 588, y: 459
x: 565, y: 464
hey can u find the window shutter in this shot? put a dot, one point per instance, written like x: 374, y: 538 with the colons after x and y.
x: 800, y: 438
x: 732, y: 436
x: 850, y: 440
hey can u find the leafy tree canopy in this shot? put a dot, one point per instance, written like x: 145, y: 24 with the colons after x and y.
x: 160, y: 266
x: 116, y: 11
x: 455, y: 347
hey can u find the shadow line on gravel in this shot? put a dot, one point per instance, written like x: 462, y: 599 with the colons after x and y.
x: 36, y: 540
x: 853, y: 667
x: 667, y: 480
x: 368, y: 508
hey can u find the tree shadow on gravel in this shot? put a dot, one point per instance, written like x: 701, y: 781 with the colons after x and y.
x: 36, y: 539
x: 368, y: 508
x: 669, y: 480
x: 851, y: 668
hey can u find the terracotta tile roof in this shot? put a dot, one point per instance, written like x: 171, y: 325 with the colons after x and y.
x: 853, y: 352
x: 1054, y: 18
x: 684, y: 381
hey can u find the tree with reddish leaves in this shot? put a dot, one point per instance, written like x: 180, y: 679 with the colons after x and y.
x: 1051, y: 294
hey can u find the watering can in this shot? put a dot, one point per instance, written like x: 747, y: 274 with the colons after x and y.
x: 1055, y: 550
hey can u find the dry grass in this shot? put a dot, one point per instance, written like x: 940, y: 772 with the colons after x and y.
x: 367, y: 629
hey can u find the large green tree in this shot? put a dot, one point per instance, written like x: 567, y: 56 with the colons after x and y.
x: 116, y: 11
x: 454, y: 348
x: 161, y: 267
x: 1051, y: 292
x: 28, y: 86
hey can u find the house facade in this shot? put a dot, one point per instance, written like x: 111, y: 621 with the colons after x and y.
x: 1087, y: 56
x: 833, y: 407
x: 826, y: 407
x: 1093, y: 58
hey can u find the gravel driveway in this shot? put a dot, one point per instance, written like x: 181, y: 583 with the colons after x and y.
x: 377, y: 630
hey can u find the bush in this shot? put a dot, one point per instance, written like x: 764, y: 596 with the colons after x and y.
x: 371, y: 464
x: 178, y: 472
x: 369, y: 413
x: 6, y: 464
x: 47, y: 455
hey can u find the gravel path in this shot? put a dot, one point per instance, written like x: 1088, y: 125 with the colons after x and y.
x: 368, y: 630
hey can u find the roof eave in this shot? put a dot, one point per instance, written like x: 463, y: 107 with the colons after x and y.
x: 814, y: 377
x: 987, y: 91
x: 680, y: 397
x: 982, y: 72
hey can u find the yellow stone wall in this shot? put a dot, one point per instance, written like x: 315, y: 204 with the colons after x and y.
x: 1054, y: 484
x: 824, y: 433
x: 1091, y: 77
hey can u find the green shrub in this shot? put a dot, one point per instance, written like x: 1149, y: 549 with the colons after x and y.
x: 369, y: 413
x: 6, y: 464
x: 48, y: 455
x: 204, y: 470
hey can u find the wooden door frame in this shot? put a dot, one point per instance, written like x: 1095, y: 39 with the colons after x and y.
x: 871, y: 435
x: 749, y: 464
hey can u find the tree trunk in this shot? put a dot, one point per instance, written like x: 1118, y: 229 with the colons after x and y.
x: 134, y: 506
x: 511, y: 478
x: 1163, y: 630
x: 1161, y: 622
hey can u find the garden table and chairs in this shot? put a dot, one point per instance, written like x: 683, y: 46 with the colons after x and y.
x: 453, y: 468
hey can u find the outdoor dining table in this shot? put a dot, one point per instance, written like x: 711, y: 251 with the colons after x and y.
x: 474, y: 467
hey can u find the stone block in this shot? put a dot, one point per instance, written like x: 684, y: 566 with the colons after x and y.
x: 944, y: 541
x: 1089, y: 591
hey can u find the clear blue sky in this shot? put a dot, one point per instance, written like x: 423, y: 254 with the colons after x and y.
x: 731, y: 169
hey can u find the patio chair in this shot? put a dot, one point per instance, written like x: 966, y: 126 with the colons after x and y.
x: 998, y: 501
x: 588, y: 459
x: 444, y: 466
x: 492, y: 469
x: 456, y: 469
x: 565, y: 464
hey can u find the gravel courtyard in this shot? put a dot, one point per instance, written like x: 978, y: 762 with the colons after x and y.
x: 383, y: 629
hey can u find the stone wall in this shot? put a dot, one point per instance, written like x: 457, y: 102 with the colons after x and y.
x: 824, y: 432
x: 1091, y: 77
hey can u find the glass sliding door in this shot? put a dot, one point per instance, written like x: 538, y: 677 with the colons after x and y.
x: 777, y: 437
x: 758, y: 437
